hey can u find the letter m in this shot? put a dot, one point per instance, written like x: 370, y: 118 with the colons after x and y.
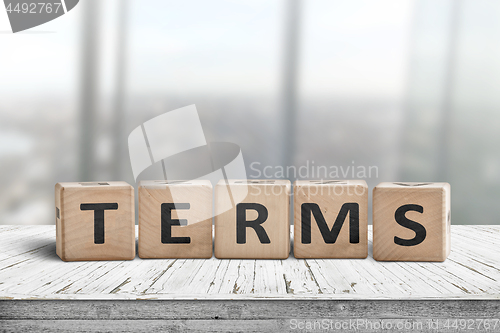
x: 330, y: 236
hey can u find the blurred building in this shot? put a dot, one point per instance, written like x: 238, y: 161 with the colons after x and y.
x: 407, y: 86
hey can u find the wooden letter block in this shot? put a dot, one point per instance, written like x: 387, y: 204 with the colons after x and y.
x: 411, y: 221
x: 330, y: 219
x: 175, y: 219
x: 95, y: 221
x: 258, y: 227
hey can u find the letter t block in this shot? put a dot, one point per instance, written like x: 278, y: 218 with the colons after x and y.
x: 95, y: 221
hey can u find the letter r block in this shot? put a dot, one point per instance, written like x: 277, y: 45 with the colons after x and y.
x: 330, y: 219
x: 411, y: 221
x: 258, y: 227
x: 95, y: 221
x: 175, y: 219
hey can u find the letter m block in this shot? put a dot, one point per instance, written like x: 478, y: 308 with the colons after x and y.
x: 330, y: 219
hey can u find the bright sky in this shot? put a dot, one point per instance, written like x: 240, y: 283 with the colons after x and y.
x: 348, y: 48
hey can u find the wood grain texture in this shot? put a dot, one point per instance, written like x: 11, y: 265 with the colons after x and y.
x: 416, y: 324
x: 330, y: 196
x: 30, y: 269
x: 75, y: 227
x: 274, y: 195
x: 434, y: 201
x: 243, y: 309
x: 198, y: 217
x: 243, y: 316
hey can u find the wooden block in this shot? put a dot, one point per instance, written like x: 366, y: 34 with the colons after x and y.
x: 95, y: 221
x: 411, y: 221
x: 330, y: 219
x: 175, y: 219
x: 256, y: 228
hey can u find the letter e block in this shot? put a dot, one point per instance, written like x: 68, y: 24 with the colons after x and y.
x: 411, y: 221
x: 175, y: 219
x: 95, y: 221
x: 258, y: 227
x: 330, y: 219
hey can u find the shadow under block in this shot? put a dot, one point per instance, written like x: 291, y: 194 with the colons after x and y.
x: 95, y: 221
x: 175, y: 219
x: 411, y: 221
x: 258, y: 227
x: 330, y: 219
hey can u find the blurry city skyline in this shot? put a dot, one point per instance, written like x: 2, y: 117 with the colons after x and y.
x: 407, y: 86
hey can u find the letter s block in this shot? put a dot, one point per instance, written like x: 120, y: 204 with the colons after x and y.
x: 175, y: 219
x: 258, y: 227
x: 95, y: 221
x: 411, y: 221
x: 331, y: 219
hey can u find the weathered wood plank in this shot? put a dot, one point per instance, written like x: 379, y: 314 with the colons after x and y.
x: 245, y: 279
x: 25, y: 242
x: 142, y: 325
x: 30, y: 269
x: 245, y: 309
x: 269, y: 277
x: 332, y: 283
x: 242, y: 316
x: 195, y: 277
x: 226, y: 279
x: 146, y: 274
x: 271, y: 325
x: 298, y: 277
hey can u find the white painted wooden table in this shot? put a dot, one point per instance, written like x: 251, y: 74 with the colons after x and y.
x: 192, y: 292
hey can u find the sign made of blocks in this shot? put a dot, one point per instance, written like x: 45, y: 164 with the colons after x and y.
x: 95, y: 221
x: 330, y: 219
x: 258, y: 227
x: 175, y: 219
x: 411, y: 221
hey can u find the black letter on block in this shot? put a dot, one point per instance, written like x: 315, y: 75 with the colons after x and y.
x: 330, y: 236
x: 242, y: 223
x: 99, y: 209
x: 419, y: 229
x: 167, y: 223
